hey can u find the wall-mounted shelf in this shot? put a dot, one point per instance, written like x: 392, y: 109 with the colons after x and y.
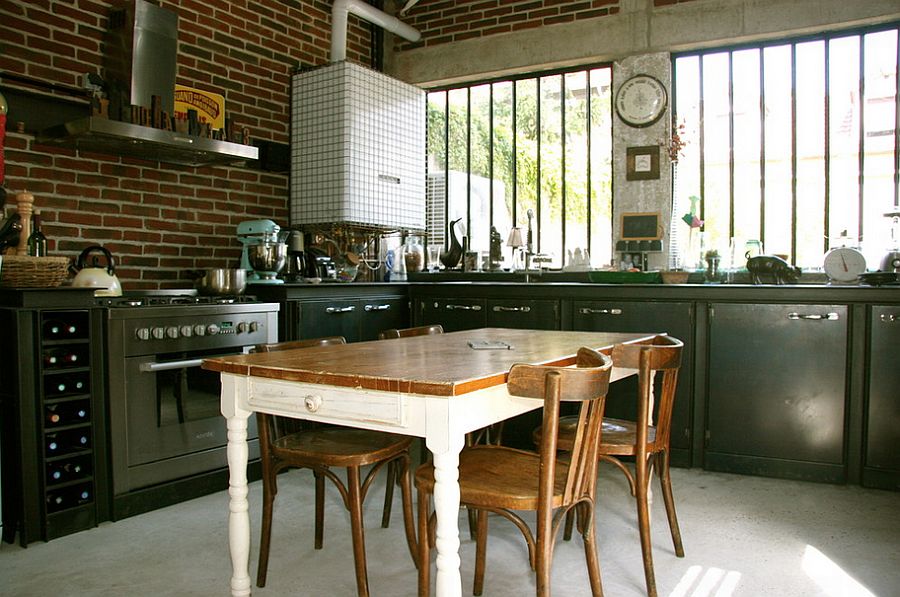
x: 102, y: 135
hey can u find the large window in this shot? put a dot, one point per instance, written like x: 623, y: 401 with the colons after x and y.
x: 538, y: 143
x: 794, y: 144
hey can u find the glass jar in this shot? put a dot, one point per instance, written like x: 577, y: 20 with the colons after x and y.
x: 414, y: 254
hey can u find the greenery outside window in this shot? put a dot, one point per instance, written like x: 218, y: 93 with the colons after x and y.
x: 792, y: 143
x: 539, y: 142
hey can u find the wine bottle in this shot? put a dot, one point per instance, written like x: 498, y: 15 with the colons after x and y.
x: 53, y: 415
x: 37, y: 242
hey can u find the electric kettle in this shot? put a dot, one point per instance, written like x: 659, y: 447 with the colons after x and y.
x: 92, y: 275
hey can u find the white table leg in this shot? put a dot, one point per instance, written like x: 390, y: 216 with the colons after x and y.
x: 239, y: 507
x: 446, y: 508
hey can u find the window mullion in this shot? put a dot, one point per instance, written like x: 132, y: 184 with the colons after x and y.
x: 793, y: 151
x: 537, y: 182
x: 730, y: 144
x: 762, y: 147
x: 588, y: 136
x: 862, y: 134
x: 562, y: 151
x: 826, y: 220
x: 469, y: 164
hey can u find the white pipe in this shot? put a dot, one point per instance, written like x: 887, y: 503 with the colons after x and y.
x: 342, y: 8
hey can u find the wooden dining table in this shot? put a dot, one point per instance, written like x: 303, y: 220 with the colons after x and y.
x: 437, y: 387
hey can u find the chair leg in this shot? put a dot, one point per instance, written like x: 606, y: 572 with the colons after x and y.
x: 389, y: 493
x: 424, y: 545
x: 472, y: 517
x: 356, y: 531
x: 481, y: 526
x: 665, y: 480
x: 643, y: 513
x: 409, y: 524
x: 570, y: 520
x: 320, y: 510
x: 590, y: 550
x: 266, y: 529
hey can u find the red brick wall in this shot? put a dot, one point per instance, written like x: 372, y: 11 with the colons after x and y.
x: 444, y: 21
x: 159, y: 219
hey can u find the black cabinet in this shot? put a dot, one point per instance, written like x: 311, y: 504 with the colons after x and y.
x: 882, y: 434
x: 55, y: 477
x: 354, y: 319
x: 523, y: 314
x: 674, y: 318
x: 452, y: 314
x: 777, y: 390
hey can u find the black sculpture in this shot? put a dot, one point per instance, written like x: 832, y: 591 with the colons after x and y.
x: 451, y: 257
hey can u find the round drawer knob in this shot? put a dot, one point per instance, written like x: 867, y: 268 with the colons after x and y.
x: 312, y: 403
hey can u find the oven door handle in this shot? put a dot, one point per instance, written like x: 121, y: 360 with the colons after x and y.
x: 183, y: 364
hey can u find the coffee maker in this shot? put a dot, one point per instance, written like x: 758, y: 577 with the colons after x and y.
x: 295, y: 269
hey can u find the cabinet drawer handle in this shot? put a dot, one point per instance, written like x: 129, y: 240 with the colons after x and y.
x: 340, y: 309
x: 814, y: 316
x: 498, y: 308
x: 377, y: 307
x: 312, y: 402
x: 889, y: 318
x: 589, y: 311
x: 463, y: 307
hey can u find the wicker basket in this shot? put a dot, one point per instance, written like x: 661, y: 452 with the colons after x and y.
x: 21, y: 271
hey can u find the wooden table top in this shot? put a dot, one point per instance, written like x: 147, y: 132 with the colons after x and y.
x: 439, y: 365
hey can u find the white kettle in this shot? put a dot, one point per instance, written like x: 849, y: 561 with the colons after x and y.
x: 92, y: 275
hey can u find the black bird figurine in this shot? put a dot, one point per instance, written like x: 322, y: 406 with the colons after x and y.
x: 451, y: 257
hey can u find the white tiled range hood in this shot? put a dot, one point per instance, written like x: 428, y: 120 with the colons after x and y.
x: 357, y: 149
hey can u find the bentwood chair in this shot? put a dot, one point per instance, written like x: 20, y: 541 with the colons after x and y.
x: 424, y: 330
x: 648, y: 443
x: 503, y: 480
x: 320, y: 448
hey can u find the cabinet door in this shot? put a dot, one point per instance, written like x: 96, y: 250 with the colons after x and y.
x: 882, y: 461
x: 523, y: 314
x: 454, y: 314
x: 378, y: 314
x: 675, y: 319
x: 777, y: 386
x: 336, y: 317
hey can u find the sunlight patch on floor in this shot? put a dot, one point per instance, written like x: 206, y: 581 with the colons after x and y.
x: 830, y: 577
x: 714, y: 582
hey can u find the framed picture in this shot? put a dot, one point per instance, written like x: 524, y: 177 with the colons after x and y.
x: 641, y: 226
x: 642, y: 163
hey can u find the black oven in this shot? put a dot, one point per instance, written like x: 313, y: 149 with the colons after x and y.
x: 164, y: 409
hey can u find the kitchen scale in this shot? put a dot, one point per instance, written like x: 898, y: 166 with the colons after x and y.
x: 844, y: 265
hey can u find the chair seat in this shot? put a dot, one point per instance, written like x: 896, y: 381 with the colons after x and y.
x: 339, y: 446
x: 497, y: 476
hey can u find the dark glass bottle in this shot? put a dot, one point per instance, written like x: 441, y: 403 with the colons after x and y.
x: 37, y: 242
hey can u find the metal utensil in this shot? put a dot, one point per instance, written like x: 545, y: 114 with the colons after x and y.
x: 221, y: 281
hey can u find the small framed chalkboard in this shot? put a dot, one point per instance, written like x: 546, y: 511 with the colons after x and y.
x: 641, y: 226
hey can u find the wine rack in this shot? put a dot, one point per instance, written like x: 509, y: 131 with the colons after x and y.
x: 55, y: 476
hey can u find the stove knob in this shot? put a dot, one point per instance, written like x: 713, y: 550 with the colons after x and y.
x: 212, y: 329
x: 187, y: 331
x: 142, y: 333
x: 253, y: 326
x: 242, y: 327
x: 158, y: 333
x: 199, y: 330
x: 172, y: 331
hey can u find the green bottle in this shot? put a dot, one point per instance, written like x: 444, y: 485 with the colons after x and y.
x: 37, y: 242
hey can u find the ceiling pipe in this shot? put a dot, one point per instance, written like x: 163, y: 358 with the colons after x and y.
x: 342, y: 8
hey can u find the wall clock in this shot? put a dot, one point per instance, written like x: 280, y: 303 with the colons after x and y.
x: 641, y: 101
x: 844, y: 264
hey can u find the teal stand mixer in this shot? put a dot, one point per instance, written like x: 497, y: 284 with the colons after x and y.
x: 264, y: 252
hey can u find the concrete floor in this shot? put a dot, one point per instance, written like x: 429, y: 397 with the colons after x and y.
x: 743, y: 536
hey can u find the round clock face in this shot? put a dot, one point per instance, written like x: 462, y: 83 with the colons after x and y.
x: 641, y: 100
x: 844, y: 264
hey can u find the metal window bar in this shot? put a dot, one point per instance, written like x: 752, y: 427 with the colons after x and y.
x: 468, y: 167
x: 793, y: 151
x: 562, y: 166
x: 587, y: 186
x: 446, y: 163
x: 862, y: 135
x: 537, y: 196
x: 762, y: 147
x: 826, y: 220
x: 515, y: 156
x: 731, y: 144
x: 897, y: 126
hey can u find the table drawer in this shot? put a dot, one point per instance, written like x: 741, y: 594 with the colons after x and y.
x: 328, y: 403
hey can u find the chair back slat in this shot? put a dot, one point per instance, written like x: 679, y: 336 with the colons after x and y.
x: 425, y: 330
x: 307, y: 343
x: 588, y: 383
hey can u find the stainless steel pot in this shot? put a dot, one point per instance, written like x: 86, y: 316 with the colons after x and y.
x: 221, y: 281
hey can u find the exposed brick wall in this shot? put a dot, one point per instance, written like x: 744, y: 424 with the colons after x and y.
x: 160, y: 219
x: 445, y: 21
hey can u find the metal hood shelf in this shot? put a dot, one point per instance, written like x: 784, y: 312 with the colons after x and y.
x: 102, y: 135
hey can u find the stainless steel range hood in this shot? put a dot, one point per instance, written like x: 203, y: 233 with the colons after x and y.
x: 140, y: 50
x: 102, y: 135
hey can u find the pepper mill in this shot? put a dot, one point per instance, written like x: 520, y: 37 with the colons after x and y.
x: 24, y: 200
